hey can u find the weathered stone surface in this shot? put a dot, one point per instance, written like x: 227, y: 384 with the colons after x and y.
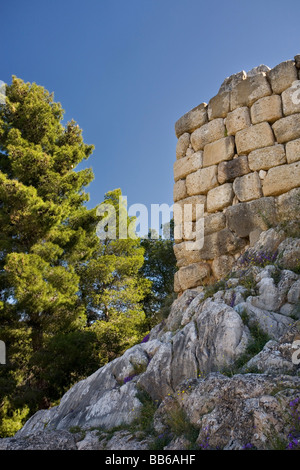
x: 287, y: 128
x: 220, y: 243
x: 180, y: 190
x: 58, y: 440
x: 266, y: 158
x: 266, y: 109
x: 193, y: 275
x: 282, y: 76
x: 245, y: 217
x: 186, y: 165
x: 213, y: 130
x: 230, y: 82
x: 293, y: 296
x: 271, y: 323
x: 182, y: 145
x: 218, y: 151
x: 228, y: 171
x: 222, y: 266
x: 219, y: 105
x: 191, y: 120
x: 291, y: 99
x: 201, y: 181
x: 247, y: 91
x: 297, y: 61
x: 258, y: 70
x: 248, y: 187
x: 254, y: 137
x: 288, y: 205
x: 214, y: 222
x: 281, y: 179
x: 219, y: 197
x: 237, y: 120
x: 194, y: 205
x: 177, y: 286
x: 293, y: 151
x: 289, y: 250
x: 185, y: 255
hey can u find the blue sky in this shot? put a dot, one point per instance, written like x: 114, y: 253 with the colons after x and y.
x: 126, y: 70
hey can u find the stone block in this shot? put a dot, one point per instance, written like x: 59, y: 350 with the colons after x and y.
x: 297, y: 61
x: 245, y: 217
x: 254, y: 137
x: 194, y: 205
x: 177, y: 287
x: 219, y: 197
x: 263, y: 159
x: 186, y: 165
x: 282, y: 179
x: 213, y: 130
x: 191, y: 120
x: 288, y: 205
x: 220, y: 243
x: 201, y: 181
x: 179, y: 191
x: 193, y: 275
x: 237, y: 120
x: 214, y: 223
x: 219, y: 106
x: 287, y: 128
x: 293, y: 151
x: 229, y: 170
x: 267, y: 109
x: 248, y: 187
x: 247, y: 91
x: 222, y: 266
x: 185, y: 256
x: 291, y: 99
x: 182, y: 145
x: 282, y: 76
x: 218, y: 151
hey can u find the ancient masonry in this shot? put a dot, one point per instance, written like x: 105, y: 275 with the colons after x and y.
x: 239, y: 156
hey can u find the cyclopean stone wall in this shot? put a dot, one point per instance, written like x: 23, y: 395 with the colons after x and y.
x: 238, y: 156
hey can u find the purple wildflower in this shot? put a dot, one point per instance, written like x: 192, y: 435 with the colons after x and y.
x: 127, y: 379
x: 146, y: 338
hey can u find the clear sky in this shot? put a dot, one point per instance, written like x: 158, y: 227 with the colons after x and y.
x: 126, y: 70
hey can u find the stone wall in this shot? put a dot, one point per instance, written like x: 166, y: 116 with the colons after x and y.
x: 238, y: 156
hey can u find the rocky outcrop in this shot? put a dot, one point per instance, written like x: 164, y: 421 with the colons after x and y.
x: 221, y: 371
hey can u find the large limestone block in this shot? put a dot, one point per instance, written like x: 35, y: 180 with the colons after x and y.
x: 179, y: 190
x: 287, y: 128
x: 282, y: 76
x: 263, y: 159
x: 293, y: 151
x: 219, y: 105
x: 186, y: 256
x: 214, y: 223
x: 222, y: 266
x: 246, y: 217
x: 186, y: 165
x: 282, y: 179
x: 229, y: 170
x: 193, y: 275
x: 254, y: 137
x: 201, y: 181
x: 219, y: 197
x: 220, y: 243
x: 177, y: 286
x: 250, y: 90
x: 248, y: 187
x: 218, y: 151
x: 213, y: 130
x: 266, y: 109
x: 237, y: 120
x: 190, y: 208
x: 191, y: 120
x: 288, y: 205
x: 291, y: 99
x: 182, y: 145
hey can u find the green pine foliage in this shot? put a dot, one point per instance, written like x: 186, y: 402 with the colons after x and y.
x: 69, y: 302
